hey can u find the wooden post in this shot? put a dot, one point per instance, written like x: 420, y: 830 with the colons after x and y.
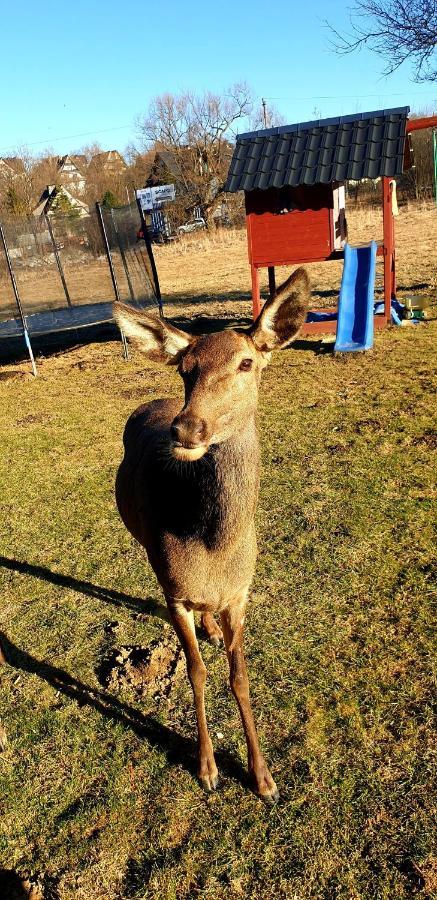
x: 256, y: 297
x: 254, y: 274
x: 388, y: 232
x: 272, y: 281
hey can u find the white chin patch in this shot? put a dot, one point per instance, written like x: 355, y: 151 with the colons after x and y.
x: 189, y: 454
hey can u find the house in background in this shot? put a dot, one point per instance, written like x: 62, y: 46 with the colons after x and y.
x: 71, y: 172
x: 58, y: 199
x: 11, y: 167
x: 109, y: 162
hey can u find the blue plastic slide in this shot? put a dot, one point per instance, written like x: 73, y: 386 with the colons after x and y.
x: 355, y: 307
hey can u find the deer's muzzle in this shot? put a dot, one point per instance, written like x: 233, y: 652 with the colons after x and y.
x: 190, y: 437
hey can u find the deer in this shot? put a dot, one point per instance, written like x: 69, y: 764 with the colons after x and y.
x: 187, y: 490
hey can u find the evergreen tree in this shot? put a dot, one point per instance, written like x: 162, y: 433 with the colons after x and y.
x: 110, y: 201
x: 14, y: 203
x: 62, y: 204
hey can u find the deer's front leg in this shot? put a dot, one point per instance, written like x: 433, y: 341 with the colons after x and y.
x: 232, y: 625
x: 183, y: 623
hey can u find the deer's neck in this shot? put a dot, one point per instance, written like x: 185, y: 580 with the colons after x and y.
x: 233, y: 487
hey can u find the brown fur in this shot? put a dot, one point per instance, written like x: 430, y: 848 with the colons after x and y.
x: 188, y: 484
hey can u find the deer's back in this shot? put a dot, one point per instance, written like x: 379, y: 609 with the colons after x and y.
x: 194, y: 519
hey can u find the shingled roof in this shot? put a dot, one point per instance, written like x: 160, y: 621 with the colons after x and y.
x: 364, y: 145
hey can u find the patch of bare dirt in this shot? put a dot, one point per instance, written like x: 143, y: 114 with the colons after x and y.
x: 428, y: 439
x: 14, y: 886
x: 6, y: 376
x: 146, y: 671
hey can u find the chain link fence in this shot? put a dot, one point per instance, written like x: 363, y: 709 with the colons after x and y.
x: 60, y: 272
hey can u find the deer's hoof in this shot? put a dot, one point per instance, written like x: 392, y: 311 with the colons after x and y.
x: 209, y: 782
x: 271, y: 798
x: 216, y: 639
x: 265, y: 787
x: 212, y: 629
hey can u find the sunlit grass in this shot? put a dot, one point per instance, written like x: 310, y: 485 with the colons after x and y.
x: 102, y: 803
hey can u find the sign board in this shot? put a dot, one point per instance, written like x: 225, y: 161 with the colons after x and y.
x: 153, y: 198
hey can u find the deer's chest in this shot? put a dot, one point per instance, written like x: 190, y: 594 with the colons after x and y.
x: 199, y: 532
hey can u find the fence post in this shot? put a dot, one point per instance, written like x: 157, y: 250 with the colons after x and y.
x: 107, y: 250
x: 148, y: 244
x: 58, y: 259
x: 112, y: 271
x: 18, y: 301
x: 123, y: 256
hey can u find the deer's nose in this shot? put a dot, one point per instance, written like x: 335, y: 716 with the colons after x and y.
x: 189, y: 430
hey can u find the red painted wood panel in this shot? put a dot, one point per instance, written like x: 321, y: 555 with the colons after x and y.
x: 424, y: 122
x: 300, y: 234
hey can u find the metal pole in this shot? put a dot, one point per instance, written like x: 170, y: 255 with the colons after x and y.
x: 148, y: 244
x: 264, y: 111
x: 108, y: 252
x: 112, y: 271
x: 125, y: 346
x: 17, y: 298
x: 123, y: 256
x: 58, y: 260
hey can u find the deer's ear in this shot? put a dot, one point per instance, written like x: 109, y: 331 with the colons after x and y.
x: 155, y: 337
x: 283, y: 315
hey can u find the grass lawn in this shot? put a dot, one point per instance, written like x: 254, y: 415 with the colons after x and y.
x: 98, y: 795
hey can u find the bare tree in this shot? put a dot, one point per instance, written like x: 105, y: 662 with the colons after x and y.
x: 196, y: 131
x: 398, y: 30
x: 26, y: 179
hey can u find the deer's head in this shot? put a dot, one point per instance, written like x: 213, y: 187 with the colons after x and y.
x: 221, y: 372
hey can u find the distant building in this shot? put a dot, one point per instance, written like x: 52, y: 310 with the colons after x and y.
x: 70, y: 174
x: 110, y: 162
x: 11, y: 167
x: 53, y: 197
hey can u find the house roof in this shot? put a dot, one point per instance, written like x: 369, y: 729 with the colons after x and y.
x: 108, y: 158
x: 14, y: 163
x: 78, y: 160
x: 170, y: 161
x: 49, y: 195
x: 364, y: 145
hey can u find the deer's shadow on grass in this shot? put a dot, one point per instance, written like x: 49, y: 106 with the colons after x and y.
x: 106, y: 595
x: 179, y: 750
x: 138, y: 605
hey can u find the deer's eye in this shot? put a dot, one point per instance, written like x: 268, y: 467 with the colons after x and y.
x: 245, y: 365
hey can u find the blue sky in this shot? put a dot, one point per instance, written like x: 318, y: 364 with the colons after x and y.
x: 75, y: 73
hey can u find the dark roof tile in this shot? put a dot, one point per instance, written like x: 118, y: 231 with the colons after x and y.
x: 363, y: 145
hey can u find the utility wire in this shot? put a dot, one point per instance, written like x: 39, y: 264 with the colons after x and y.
x: 68, y: 137
x: 358, y: 96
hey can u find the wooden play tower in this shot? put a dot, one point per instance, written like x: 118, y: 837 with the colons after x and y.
x: 293, y: 178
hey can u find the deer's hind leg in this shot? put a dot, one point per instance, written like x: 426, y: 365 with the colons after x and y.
x: 183, y: 623
x: 232, y: 623
x: 213, y: 631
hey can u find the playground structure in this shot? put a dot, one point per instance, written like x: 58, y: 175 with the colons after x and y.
x: 60, y: 273
x: 293, y: 178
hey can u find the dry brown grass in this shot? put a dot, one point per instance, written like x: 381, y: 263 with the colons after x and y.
x: 98, y: 799
x: 216, y: 266
x: 209, y: 273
